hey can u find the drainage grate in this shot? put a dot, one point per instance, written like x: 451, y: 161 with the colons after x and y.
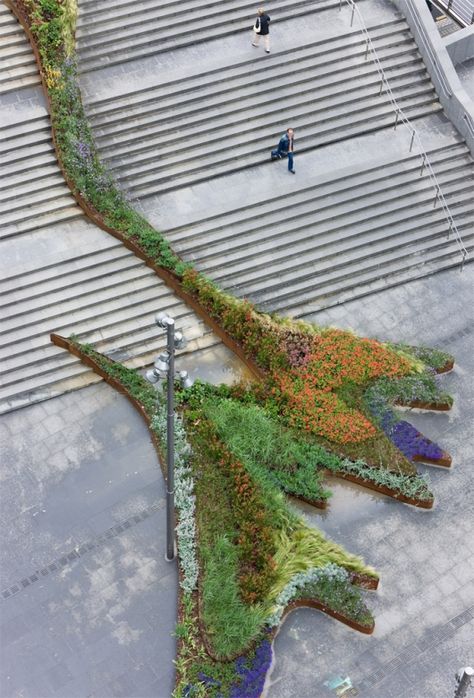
x: 82, y: 550
x: 459, y: 334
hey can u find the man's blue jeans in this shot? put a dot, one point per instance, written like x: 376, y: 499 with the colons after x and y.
x: 281, y: 154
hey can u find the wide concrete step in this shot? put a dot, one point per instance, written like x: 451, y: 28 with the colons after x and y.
x: 63, y: 372
x: 161, y: 30
x: 29, y: 204
x: 192, y: 135
x: 205, y: 233
x: 14, y: 156
x: 381, y: 275
x: 19, y: 68
x: 60, y: 214
x: 33, y: 194
x: 46, y: 296
x: 223, y: 81
x: 322, y: 248
x: 240, y: 157
x: 345, y: 262
x: 17, y: 79
x: 42, y: 171
x: 22, y: 136
x: 14, y: 52
x: 101, y: 318
x: 109, y: 302
x: 38, y: 215
x: 22, y: 170
x: 325, y: 223
x: 307, y: 83
x: 31, y: 282
x: 43, y: 365
x: 41, y: 185
x: 74, y: 375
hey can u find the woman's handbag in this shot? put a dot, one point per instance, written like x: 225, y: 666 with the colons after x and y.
x: 256, y: 26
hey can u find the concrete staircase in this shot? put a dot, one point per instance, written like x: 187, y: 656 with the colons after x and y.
x: 105, y: 297
x: 18, y: 66
x: 316, y: 241
x: 186, y: 131
x: 61, y: 273
x: 333, y: 240
x: 112, y: 32
x: 33, y: 193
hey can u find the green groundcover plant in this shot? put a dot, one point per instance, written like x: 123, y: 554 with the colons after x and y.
x: 243, y: 553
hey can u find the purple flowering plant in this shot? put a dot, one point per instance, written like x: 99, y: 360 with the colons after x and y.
x: 380, y: 398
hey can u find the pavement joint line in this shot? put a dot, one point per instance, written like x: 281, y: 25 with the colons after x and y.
x: 411, y: 653
x: 459, y: 334
x: 81, y: 550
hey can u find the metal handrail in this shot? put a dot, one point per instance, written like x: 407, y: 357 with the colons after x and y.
x: 400, y: 117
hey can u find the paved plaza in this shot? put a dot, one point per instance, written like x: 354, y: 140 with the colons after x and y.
x: 89, y: 604
x: 87, y: 601
x: 424, y: 612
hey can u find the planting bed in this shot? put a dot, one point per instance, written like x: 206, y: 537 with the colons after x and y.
x: 322, y: 400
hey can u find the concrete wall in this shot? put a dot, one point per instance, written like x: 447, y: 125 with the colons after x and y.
x: 460, y: 45
x: 456, y: 103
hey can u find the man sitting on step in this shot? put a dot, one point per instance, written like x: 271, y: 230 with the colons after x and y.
x: 286, y: 148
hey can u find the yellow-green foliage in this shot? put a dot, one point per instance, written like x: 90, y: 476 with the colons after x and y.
x: 69, y: 26
x: 304, y: 548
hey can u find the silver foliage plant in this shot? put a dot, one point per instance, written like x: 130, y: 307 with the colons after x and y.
x: 415, y: 486
x: 185, y: 500
x: 330, y: 572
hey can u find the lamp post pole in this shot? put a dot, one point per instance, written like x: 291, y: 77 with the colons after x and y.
x: 170, y: 444
x: 463, y: 681
x: 164, y: 368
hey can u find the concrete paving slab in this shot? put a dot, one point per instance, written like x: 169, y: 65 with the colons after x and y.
x: 83, y: 620
x: 424, y: 558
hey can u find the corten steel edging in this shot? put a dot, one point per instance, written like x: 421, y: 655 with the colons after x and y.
x: 448, y: 366
x: 383, y: 489
x: 313, y: 603
x: 67, y: 344
x: 357, y: 578
x: 420, y: 405
x: 170, y: 279
x: 444, y: 462
x: 363, y: 580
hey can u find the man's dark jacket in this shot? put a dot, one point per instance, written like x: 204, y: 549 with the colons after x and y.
x: 284, y: 144
x: 262, y: 22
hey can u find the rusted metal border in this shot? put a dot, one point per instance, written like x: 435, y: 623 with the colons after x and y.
x: 171, y: 280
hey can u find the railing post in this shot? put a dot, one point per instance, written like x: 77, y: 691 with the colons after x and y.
x: 366, y: 49
x: 463, y: 259
x: 436, y: 197
x: 422, y: 165
x: 450, y: 229
x: 340, y: 5
x: 396, y: 119
x: 412, y: 140
x: 381, y: 87
x: 352, y: 16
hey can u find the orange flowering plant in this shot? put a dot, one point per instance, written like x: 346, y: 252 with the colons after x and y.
x: 309, y: 389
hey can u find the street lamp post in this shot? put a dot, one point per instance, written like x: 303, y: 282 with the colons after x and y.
x: 170, y: 443
x: 463, y: 680
x: 164, y: 368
